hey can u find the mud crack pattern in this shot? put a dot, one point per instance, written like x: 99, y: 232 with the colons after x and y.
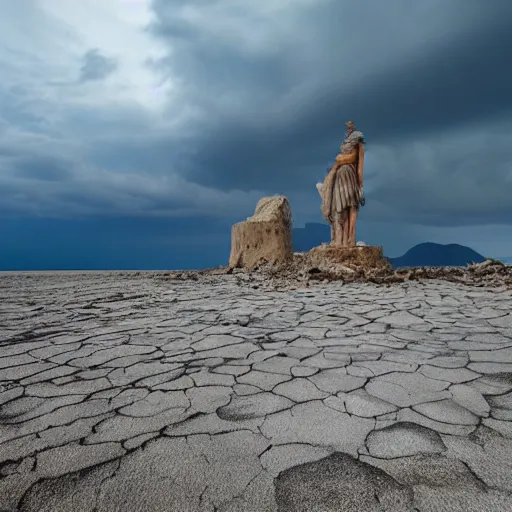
x: 123, y: 391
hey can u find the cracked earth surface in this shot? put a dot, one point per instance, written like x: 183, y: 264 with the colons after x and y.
x: 128, y: 392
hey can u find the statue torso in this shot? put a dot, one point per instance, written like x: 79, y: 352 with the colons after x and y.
x: 351, y: 141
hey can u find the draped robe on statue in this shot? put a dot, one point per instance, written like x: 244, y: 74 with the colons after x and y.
x: 341, y: 189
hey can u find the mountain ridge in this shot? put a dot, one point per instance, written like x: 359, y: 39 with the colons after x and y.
x: 430, y: 254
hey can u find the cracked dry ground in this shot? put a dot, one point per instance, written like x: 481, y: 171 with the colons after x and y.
x: 121, y: 392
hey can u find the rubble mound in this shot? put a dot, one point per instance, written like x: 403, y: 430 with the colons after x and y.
x: 371, y: 266
x: 303, y: 271
x: 491, y: 272
x: 327, y: 263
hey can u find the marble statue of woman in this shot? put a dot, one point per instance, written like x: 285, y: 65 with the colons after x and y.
x: 342, y: 190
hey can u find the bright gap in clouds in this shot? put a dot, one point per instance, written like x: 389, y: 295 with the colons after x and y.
x: 116, y: 28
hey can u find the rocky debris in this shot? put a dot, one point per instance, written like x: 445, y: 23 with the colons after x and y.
x: 488, y: 273
x: 322, y: 264
x: 300, y: 272
x: 305, y: 270
x: 266, y: 237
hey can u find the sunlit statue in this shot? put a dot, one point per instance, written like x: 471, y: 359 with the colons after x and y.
x: 342, y: 190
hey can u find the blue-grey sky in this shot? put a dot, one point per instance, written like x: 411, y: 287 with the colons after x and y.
x: 134, y: 132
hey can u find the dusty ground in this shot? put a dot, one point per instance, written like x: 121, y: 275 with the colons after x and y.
x: 139, y: 392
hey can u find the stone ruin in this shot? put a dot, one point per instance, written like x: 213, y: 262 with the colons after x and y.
x: 265, y: 240
x: 262, y: 255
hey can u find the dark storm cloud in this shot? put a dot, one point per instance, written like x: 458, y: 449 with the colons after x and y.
x: 404, y: 72
x: 454, y: 75
x: 96, y: 66
x: 466, y: 80
x: 258, y: 101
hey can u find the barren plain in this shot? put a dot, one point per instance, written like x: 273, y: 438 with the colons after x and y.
x: 140, y: 392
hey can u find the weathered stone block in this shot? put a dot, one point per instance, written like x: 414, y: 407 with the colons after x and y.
x: 266, y: 237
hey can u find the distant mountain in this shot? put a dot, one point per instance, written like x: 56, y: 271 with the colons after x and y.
x: 437, y: 255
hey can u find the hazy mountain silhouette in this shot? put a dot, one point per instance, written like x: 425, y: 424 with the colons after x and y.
x: 422, y: 255
x: 437, y: 255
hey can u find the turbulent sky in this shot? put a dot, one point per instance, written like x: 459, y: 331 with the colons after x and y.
x: 134, y: 132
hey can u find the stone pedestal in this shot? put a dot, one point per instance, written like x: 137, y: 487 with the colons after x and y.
x: 364, y: 258
x: 266, y: 237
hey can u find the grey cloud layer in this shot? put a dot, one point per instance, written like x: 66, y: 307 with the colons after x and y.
x: 406, y: 74
x: 262, y: 100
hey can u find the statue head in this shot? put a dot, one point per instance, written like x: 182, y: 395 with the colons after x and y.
x: 350, y: 127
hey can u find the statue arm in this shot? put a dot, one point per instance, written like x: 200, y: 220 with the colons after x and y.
x: 346, y: 158
x: 360, y: 164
